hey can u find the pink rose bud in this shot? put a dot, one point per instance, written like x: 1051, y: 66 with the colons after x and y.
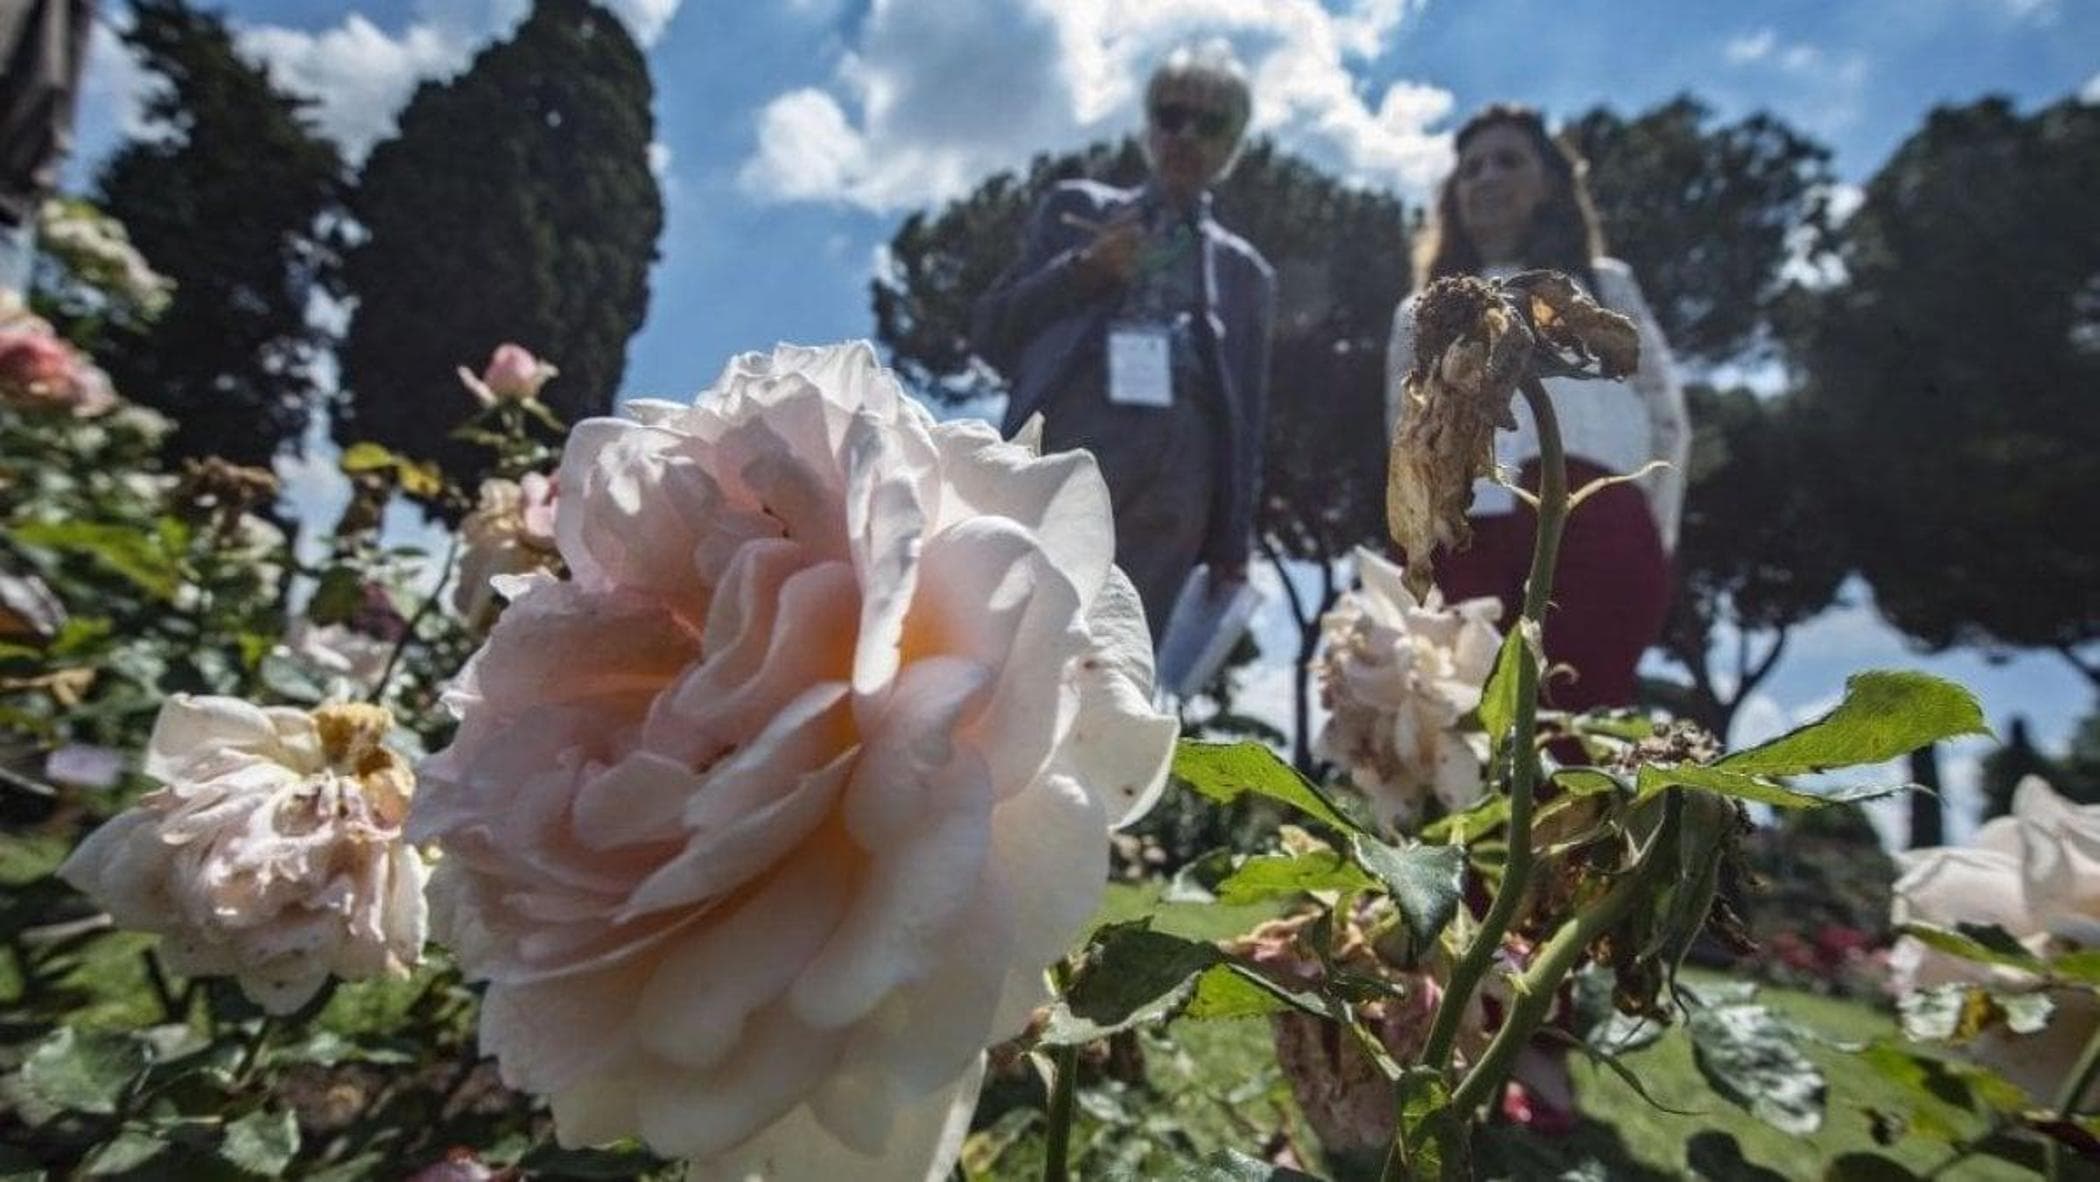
x: 513, y: 375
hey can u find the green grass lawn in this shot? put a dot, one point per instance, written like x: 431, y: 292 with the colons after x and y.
x: 1213, y: 1085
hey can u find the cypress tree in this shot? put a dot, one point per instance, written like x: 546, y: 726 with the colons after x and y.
x: 228, y: 195
x: 515, y: 204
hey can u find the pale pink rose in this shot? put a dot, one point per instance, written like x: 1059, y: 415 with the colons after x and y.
x: 1397, y: 674
x: 2034, y: 872
x: 537, y: 496
x: 40, y: 371
x: 510, y: 532
x: 765, y: 823
x: 513, y: 374
x: 272, y: 855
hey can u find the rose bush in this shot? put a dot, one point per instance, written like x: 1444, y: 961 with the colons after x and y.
x: 2035, y: 873
x: 273, y: 853
x: 1396, y: 674
x: 764, y: 824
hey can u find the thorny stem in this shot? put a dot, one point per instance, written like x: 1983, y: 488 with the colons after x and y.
x: 1064, y: 1079
x: 1552, y: 513
x: 408, y: 630
x: 1539, y: 987
x: 251, y: 1055
x: 1473, y: 966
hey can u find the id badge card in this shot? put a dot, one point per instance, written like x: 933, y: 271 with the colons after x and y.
x: 1140, y: 365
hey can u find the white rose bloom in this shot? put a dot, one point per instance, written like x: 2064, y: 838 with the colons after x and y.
x: 1397, y: 674
x: 2034, y: 872
x: 510, y: 532
x: 273, y: 854
x: 769, y: 820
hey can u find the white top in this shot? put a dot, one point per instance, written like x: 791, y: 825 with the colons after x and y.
x: 1619, y: 426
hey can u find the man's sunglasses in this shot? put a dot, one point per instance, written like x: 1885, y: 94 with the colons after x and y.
x: 1172, y: 117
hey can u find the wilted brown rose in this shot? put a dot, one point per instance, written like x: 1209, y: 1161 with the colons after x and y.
x: 1476, y: 342
x: 1471, y: 354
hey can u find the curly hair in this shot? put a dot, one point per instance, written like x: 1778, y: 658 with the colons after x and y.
x: 1564, y: 233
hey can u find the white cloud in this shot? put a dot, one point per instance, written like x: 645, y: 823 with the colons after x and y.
x: 2090, y: 92
x: 934, y: 94
x: 360, y: 75
x: 1751, y: 47
x: 1764, y: 48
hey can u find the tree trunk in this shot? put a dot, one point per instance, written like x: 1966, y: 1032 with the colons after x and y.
x: 1928, y: 813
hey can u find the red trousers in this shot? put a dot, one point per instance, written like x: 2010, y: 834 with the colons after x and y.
x: 1610, y: 593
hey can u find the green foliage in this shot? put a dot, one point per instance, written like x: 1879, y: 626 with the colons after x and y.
x: 229, y: 197
x: 1949, y: 378
x: 1433, y: 1142
x: 85, y: 1070
x: 515, y: 204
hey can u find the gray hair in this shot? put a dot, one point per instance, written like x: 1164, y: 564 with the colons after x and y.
x: 1208, y: 67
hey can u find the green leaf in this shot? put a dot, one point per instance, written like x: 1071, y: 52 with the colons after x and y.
x: 1498, y: 697
x: 1433, y: 1138
x: 1424, y: 880
x: 1946, y: 1098
x: 125, y: 1153
x: 1467, y: 825
x: 1884, y: 714
x: 262, y: 1142
x: 1232, y: 990
x: 85, y: 1070
x: 1749, y: 1057
x: 1266, y: 876
x: 1222, y: 992
x: 1982, y: 943
x: 130, y: 552
x: 1745, y: 786
x: 1130, y: 975
x: 1226, y: 771
x: 1586, y: 781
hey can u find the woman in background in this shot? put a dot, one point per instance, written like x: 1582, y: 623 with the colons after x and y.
x: 1516, y: 202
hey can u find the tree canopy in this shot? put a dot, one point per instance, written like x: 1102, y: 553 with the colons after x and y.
x: 1706, y: 214
x: 515, y: 204
x: 228, y: 195
x: 1951, y: 379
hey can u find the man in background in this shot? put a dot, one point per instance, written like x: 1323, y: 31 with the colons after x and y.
x: 1139, y: 328
x: 43, y: 45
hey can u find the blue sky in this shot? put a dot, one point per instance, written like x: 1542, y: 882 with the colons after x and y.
x: 793, y: 136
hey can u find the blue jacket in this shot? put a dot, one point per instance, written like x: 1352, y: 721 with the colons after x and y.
x: 1038, y: 321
